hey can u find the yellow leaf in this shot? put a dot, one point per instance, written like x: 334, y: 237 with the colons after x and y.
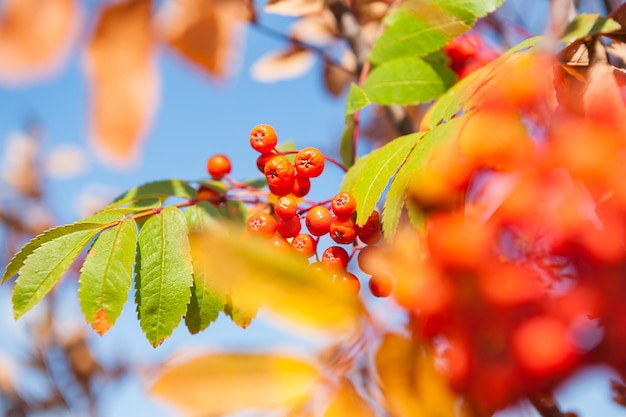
x: 123, y: 80
x: 409, y: 381
x: 294, y: 7
x: 283, y: 65
x: 348, y: 402
x: 202, y: 31
x: 261, y: 275
x: 218, y: 384
x: 35, y: 37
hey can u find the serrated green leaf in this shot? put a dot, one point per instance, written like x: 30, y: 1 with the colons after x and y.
x: 396, y: 195
x: 106, y: 275
x: 201, y: 216
x: 415, y: 215
x: 173, y: 188
x: 49, y: 258
x: 219, y: 186
x: 234, y: 210
x: 408, y: 80
x: 356, y: 100
x: 257, y: 183
x: 164, y: 274
x: 346, y: 145
x: 477, y: 8
x: 369, y: 177
x: 587, y: 24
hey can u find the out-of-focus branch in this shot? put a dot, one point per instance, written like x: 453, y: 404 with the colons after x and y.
x: 351, y: 32
x: 546, y: 406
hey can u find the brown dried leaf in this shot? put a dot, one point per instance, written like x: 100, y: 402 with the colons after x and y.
x: 35, y: 37
x: 337, y: 79
x: 282, y: 65
x: 123, y: 80
x: 348, y: 402
x: 370, y: 10
x: 219, y: 384
x: 318, y: 29
x: 202, y: 31
x: 294, y: 7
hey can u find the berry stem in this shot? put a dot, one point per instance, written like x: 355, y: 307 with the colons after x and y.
x: 546, y: 405
x: 328, y: 158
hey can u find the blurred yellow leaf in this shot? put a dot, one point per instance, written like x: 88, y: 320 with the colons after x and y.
x: 202, y: 31
x: 218, y: 384
x: 122, y: 78
x: 35, y: 36
x: 283, y: 65
x: 348, y: 402
x: 294, y: 7
x: 409, y: 381
x: 261, y: 275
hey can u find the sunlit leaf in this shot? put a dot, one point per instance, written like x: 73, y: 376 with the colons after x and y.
x: 370, y: 175
x: 294, y: 7
x: 409, y: 381
x: 241, y: 313
x: 283, y: 65
x: 346, y: 146
x: 164, y: 274
x: 174, y: 188
x: 234, y: 210
x: 106, y: 275
x: 219, y: 384
x: 202, y: 216
x: 348, y: 402
x: 282, y: 282
x: 205, y: 31
x: 50, y: 257
x: 357, y: 99
x: 122, y: 79
x: 35, y: 37
x: 586, y: 24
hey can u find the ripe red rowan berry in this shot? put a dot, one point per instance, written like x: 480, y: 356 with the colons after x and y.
x: 301, y: 186
x: 342, y: 231
x: 343, y: 204
x: 289, y: 227
x: 209, y: 194
x: 261, y: 223
x: 279, y: 243
x: 309, y: 162
x: 280, y: 175
x: 348, y: 281
x: 318, y: 220
x: 263, y: 138
x: 335, y: 257
x: 370, y: 232
x: 286, y: 207
x: 304, y: 245
x: 217, y: 166
x: 380, y: 285
x: 262, y: 160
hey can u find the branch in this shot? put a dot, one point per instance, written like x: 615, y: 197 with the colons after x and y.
x: 546, y: 406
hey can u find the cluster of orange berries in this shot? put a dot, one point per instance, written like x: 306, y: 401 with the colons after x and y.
x: 281, y: 222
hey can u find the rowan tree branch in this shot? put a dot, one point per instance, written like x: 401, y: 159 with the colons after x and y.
x: 546, y: 406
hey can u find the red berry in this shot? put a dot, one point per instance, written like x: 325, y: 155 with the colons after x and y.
x: 263, y: 159
x: 343, y: 204
x: 304, y: 245
x: 209, y: 194
x: 263, y: 138
x: 280, y: 175
x: 370, y: 232
x: 336, y: 257
x: 301, y: 186
x: 318, y: 220
x: 279, y: 243
x: 367, y: 263
x: 261, y: 223
x: 217, y: 166
x: 286, y: 207
x: 348, y: 281
x: 342, y: 231
x: 380, y: 285
x: 318, y: 267
x: 289, y: 227
x: 309, y: 162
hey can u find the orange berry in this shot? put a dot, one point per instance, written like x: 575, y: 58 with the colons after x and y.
x: 286, y: 207
x: 209, y: 194
x: 342, y: 231
x: 304, y: 245
x: 217, y: 166
x: 318, y: 220
x: 348, y: 281
x: 261, y: 223
x: 262, y: 160
x: 309, y: 162
x: 263, y: 138
x: 280, y: 175
x: 289, y: 227
x: 279, y: 243
x: 380, y: 285
x: 370, y: 232
x: 366, y: 261
x: 343, y: 204
x: 335, y: 257
x: 301, y: 186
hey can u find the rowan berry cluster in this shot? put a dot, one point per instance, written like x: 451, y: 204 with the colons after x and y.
x: 291, y: 223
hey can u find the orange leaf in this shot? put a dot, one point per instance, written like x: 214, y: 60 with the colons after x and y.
x: 218, y: 384
x: 283, y: 65
x: 202, y: 31
x: 123, y: 80
x: 35, y: 37
x: 348, y: 402
x: 294, y: 7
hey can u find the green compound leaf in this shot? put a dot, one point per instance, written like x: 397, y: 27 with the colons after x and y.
x: 396, y: 195
x: 408, y: 80
x: 164, y: 274
x: 167, y: 188
x: 106, y: 275
x: 201, y: 216
x: 369, y: 177
x: 478, y: 8
x: 587, y: 24
x: 234, y: 210
x: 346, y: 145
x: 49, y: 258
x: 356, y: 100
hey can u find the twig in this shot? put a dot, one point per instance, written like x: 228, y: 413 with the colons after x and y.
x: 546, y: 405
